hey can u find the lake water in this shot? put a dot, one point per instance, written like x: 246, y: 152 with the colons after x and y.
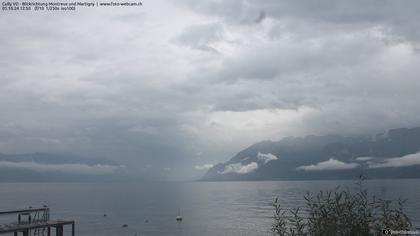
x: 208, y: 208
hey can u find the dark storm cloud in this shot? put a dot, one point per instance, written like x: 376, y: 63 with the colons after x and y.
x: 175, y: 87
x: 396, y: 17
x: 274, y: 60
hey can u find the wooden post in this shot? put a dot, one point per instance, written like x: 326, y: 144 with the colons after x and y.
x: 26, y: 233
x: 49, y: 231
x: 72, y: 229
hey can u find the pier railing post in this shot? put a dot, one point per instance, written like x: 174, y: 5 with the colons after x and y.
x: 59, y: 230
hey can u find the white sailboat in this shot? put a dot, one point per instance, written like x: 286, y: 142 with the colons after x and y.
x: 179, y: 217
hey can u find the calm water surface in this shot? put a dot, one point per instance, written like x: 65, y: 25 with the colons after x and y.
x: 208, y: 208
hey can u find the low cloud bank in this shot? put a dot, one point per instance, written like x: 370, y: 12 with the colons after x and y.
x: 404, y: 161
x: 331, y: 164
x: 238, y: 168
x: 266, y: 157
x: 364, y: 158
x: 97, y: 169
x: 203, y: 167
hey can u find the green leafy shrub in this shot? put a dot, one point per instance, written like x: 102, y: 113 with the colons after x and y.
x: 341, y: 212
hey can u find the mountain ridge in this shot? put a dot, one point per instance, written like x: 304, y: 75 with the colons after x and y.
x: 392, y: 154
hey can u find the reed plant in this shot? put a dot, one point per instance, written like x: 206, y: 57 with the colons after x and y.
x: 341, y: 212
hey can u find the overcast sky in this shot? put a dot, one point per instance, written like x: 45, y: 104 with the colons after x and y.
x: 172, y: 87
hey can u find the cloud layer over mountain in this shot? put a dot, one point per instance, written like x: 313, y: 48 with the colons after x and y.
x: 65, y: 168
x: 408, y: 160
x: 330, y: 164
x: 238, y: 168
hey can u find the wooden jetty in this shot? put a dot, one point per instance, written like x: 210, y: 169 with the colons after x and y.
x: 34, y: 222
